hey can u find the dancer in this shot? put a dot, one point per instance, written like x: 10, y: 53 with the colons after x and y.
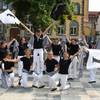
x: 8, y: 69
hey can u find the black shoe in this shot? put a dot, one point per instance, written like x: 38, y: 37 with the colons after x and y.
x: 59, y: 84
x: 12, y: 86
x: 19, y: 83
x: 41, y: 86
x: 53, y: 89
x: 70, y: 79
x: 34, y: 86
x: 92, y: 82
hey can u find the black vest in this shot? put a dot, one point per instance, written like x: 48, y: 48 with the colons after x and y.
x: 38, y: 42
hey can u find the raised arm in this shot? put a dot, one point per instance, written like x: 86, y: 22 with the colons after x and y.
x: 68, y: 40
x: 9, y: 43
x: 46, y: 30
x: 85, y: 41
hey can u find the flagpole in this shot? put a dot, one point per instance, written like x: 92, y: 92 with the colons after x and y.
x: 33, y: 32
x: 27, y: 28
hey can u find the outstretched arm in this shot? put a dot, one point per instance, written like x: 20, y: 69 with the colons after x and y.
x: 11, y: 60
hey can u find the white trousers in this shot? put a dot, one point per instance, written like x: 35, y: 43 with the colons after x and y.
x: 80, y: 64
x: 73, y: 68
x: 92, y: 74
x: 63, y: 80
x: 37, y: 79
x: 24, y: 79
x: 46, y: 79
x: 38, y: 62
x: 10, y: 80
x: 20, y: 67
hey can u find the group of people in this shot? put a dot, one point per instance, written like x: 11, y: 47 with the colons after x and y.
x: 50, y: 62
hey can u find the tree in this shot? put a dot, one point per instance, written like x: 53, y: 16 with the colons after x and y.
x: 38, y: 10
x: 40, y: 13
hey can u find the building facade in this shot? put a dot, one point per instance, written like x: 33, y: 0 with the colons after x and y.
x: 79, y: 24
x: 94, y: 25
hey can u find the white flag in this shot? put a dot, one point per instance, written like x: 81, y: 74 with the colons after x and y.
x: 93, y: 59
x: 7, y: 17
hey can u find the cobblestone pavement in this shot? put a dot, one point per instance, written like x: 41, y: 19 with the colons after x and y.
x: 80, y: 90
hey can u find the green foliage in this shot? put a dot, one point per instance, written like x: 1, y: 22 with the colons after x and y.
x: 22, y: 8
x: 40, y: 13
x: 68, y: 11
x: 38, y: 10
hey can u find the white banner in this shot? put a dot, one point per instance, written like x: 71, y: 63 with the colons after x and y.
x: 7, y: 17
x: 93, y: 59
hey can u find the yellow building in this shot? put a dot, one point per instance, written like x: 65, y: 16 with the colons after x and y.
x: 86, y: 28
x: 79, y: 23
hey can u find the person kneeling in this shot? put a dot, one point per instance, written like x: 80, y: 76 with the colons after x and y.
x: 51, y: 66
x: 8, y: 70
x: 27, y: 60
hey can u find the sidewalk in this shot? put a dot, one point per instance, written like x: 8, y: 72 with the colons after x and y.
x: 80, y: 90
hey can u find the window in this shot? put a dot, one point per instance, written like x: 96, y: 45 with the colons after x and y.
x: 74, y: 28
x: 77, y: 8
x: 61, y: 29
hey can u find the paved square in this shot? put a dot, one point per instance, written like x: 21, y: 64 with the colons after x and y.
x: 80, y: 90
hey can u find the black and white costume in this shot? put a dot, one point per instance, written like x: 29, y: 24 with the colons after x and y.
x: 6, y: 65
x: 49, y: 73
x: 27, y: 63
x: 63, y: 72
x: 73, y: 49
x: 38, y: 44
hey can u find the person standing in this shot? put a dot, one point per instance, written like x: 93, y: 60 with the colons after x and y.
x: 36, y: 42
x: 63, y: 70
x: 92, y: 72
x: 73, y: 49
x: 62, y: 74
